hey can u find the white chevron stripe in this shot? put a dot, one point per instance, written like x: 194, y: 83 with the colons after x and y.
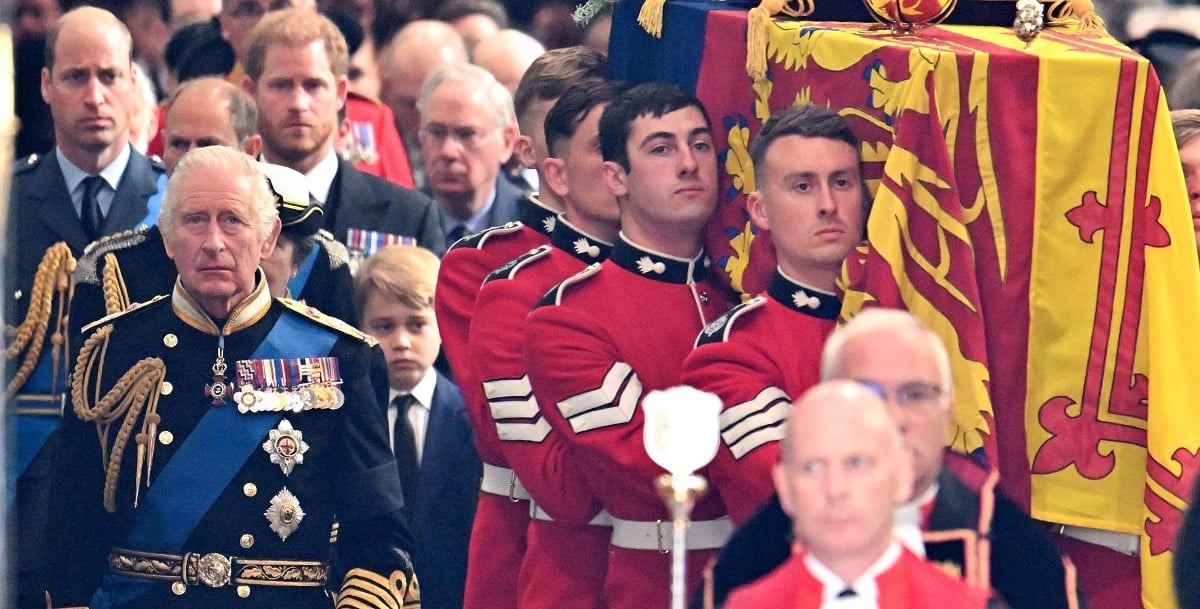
x: 612, y: 403
x: 515, y: 409
x: 746, y: 426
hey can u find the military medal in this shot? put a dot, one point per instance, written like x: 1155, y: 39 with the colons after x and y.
x: 288, y: 385
x: 217, y: 389
x: 286, y: 446
x: 284, y: 514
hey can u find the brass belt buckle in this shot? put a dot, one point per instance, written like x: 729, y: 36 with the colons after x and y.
x: 512, y: 488
x: 214, y: 569
x: 658, y: 530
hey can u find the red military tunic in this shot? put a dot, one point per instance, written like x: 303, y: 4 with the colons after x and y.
x: 564, y: 561
x: 596, y: 344
x: 376, y: 147
x: 758, y: 358
x: 498, y: 535
x: 906, y: 582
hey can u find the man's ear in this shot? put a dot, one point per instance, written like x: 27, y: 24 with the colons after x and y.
x: 248, y: 85
x: 269, y: 245
x: 523, y: 148
x: 46, y: 85
x: 509, y: 134
x: 554, y: 177
x: 615, y: 178
x: 779, y: 476
x: 253, y: 145
x: 905, y: 478
x: 758, y: 215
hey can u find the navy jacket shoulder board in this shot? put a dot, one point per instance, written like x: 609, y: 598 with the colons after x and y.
x: 509, y: 269
x: 86, y: 268
x: 718, y: 330
x: 133, y: 309
x: 339, y: 256
x: 327, y: 321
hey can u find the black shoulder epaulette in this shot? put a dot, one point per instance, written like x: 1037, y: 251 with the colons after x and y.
x: 134, y: 308
x: 25, y: 164
x: 87, y: 267
x: 509, y: 269
x: 339, y: 256
x: 332, y: 323
x: 717, y: 331
x: 477, y: 240
x: 554, y: 296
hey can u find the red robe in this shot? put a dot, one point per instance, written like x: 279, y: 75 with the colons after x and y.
x: 910, y: 583
x: 565, y: 559
x: 739, y: 358
x: 377, y: 147
x: 498, y: 535
x: 596, y: 344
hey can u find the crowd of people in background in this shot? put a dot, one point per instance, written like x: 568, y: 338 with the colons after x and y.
x: 427, y: 261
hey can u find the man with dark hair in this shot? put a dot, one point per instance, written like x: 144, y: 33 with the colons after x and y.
x: 91, y: 184
x: 601, y: 339
x: 503, y: 515
x: 296, y: 63
x: 565, y: 555
x: 955, y: 514
x: 809, y: 198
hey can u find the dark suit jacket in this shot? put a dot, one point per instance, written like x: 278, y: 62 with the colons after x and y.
x: 505, y: 209
x: 1026, y: 569
x: 360, y: 200
x: 41, y: 214
x: 445, y: 509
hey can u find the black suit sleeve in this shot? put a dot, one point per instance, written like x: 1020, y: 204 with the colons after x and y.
x: 1186, y: 564
x: 757, y: 547
x: 1026, y: 565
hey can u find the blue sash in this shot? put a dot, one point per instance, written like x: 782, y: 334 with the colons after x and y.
x: 297, y: 283
x: 205, y: 464
x: 154, y: 204
x: 33, y: 429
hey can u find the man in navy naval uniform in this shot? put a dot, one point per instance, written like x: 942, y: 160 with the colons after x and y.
x: 222, y: 445
x: 92, y: 183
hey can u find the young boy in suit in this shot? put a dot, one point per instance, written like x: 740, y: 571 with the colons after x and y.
x: 431, y: 435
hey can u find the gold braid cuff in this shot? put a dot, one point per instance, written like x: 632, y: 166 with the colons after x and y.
x: 112, y: 284
x: 362, y: 589
x: 136, y: 390
x: 53, y: 277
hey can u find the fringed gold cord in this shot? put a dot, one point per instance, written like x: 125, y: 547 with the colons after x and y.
x: 135, y: 391
x: 758, y: 31
x: 112, y: 284
x: 651, y: 17
x: 53, y: 276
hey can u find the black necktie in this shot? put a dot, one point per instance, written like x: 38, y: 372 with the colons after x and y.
x: 89, y: 213
x: 847, y: 593
x: 405, y: 447
x: 456, y: 233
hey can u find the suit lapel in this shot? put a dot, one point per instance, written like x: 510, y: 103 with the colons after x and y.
x: 352, y: 200
x: 54, y: 208
x: 139, y: 182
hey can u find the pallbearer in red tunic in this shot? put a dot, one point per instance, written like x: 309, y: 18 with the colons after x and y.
x: 602, y: 339
x: 566, y: 554
x: 812, y: 200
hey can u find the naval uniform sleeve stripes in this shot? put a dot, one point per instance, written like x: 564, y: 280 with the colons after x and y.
x: 746, y: 426
x: 515, y: 410
x: 612, y: 403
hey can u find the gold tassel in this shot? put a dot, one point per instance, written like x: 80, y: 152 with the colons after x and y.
x: 651, y: 17
x: 1083, y: 10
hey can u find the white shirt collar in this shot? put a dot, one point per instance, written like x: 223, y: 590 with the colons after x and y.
x: 907, y: 520
x: 422, y: 391
x: 320, y: 178
x: 864, y: 586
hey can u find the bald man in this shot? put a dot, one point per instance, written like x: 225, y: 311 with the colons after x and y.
x: 415, y: 52
x: 507, y: 54
x: 843, y: 470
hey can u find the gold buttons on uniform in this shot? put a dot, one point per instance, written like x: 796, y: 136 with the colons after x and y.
x: 247, y: 541
x: 165, y: 437
x: 249, y: 489
x: 170, y: 341
x: 178, y: 588
x: 243, y: 591
x: 167, y: 388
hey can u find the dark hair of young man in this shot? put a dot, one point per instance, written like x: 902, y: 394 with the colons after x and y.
x: 569, y: 111
x: 654, y: 99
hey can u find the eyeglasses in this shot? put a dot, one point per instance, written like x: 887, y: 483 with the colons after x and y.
x: 912, y: 394
x: 467, y: 137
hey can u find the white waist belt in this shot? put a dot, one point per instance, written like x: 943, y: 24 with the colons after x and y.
x: 537, y: 513
x: 657, y: 534
x: 1125, y: 543
x: 502, y: 481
